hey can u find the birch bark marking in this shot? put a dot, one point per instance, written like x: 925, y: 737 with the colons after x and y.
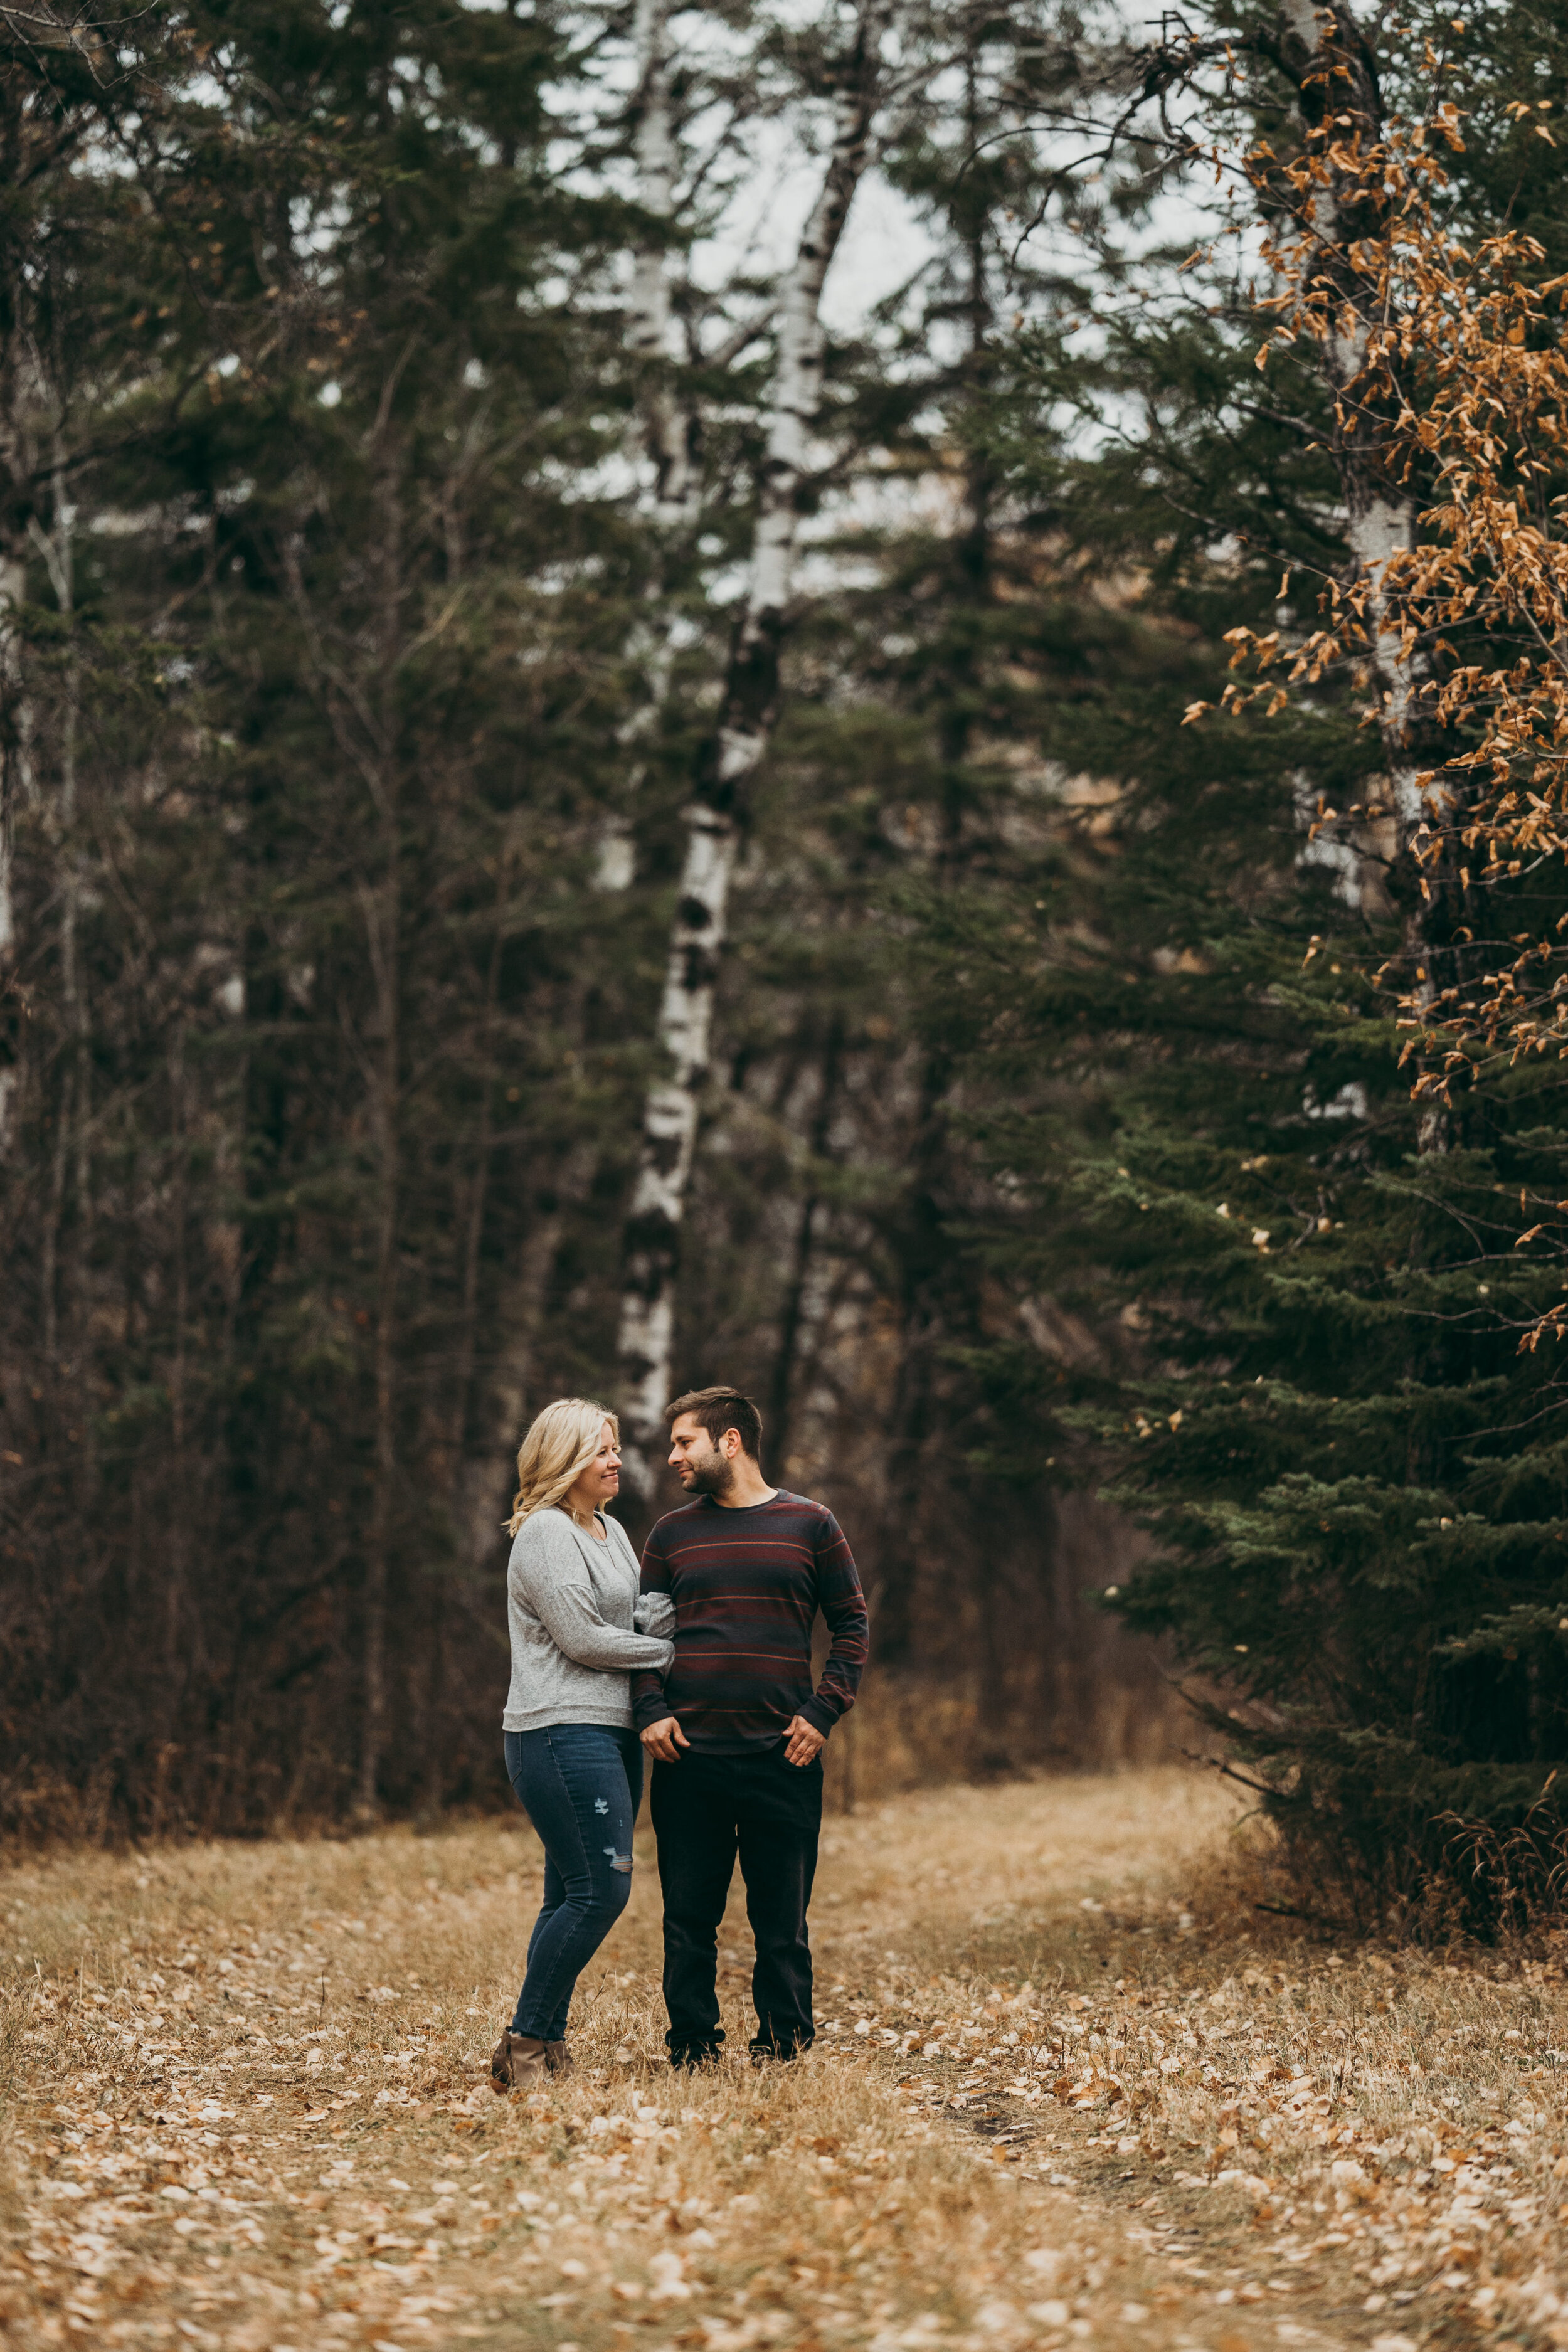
x: 649, y: 311
x: 1326, y: 54
x: 725, y: 766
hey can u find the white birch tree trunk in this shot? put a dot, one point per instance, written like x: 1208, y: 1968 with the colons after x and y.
x: 663, y: 425
x: 1328, y: 59
x: 1328, y: 55
x: 650, y: 318
x: 726, y: 765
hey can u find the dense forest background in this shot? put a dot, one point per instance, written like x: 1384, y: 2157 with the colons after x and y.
x: 599, y: 605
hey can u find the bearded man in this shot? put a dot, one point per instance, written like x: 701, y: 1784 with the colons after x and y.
x: 734, y: 1727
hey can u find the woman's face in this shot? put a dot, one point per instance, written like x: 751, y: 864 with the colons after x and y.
x: 600, y: 1483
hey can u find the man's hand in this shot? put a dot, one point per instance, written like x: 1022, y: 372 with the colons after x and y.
x: 661, y: 1739
x: 803, y: 1741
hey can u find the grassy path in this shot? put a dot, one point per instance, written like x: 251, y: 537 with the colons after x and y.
x: 1064, y: 2094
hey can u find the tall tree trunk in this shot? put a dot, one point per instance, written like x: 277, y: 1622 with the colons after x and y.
x: 12, y: 754
x: 664, y: 428
x: 793, y: 1318
x: 937, y: 1287
x: 383, y: 916
x: 43, y: 124
x: 726, y: 765
x: 473, y: 1224
x: 177, y: 1644
x: 57, y: 547
x: 17, y: 388
x: 1325, y: 54
x: 506, y: 1394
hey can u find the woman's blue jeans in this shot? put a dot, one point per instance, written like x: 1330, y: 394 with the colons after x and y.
x: 580, y: 1785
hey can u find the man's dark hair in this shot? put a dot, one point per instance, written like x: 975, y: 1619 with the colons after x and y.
x: 717, y: 1409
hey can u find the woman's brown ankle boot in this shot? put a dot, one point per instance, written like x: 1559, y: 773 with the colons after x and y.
x: 517, y: 2058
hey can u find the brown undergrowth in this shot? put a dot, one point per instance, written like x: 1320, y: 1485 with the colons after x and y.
x: 1071, y: 2089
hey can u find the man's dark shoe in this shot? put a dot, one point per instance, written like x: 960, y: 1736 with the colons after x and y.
x: 517, y: 2058
x: 767, y: 2054
x: 687, y: 2059
x: 558, y: 2058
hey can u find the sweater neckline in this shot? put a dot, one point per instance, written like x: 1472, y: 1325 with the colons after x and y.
x: 744, y: 1510
x: 608, y: 1544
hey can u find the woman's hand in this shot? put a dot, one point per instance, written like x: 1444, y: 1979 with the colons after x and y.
x: 661, y: 1740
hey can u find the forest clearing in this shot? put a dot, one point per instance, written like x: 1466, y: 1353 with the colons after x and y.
x: 1070, y: 2087
x: 852, y: 718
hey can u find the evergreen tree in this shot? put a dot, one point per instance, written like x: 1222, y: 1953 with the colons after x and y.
x: 336, y: 1017
x: 837, y: 1185
x: 1314, y: 1396
x: 359, y: 681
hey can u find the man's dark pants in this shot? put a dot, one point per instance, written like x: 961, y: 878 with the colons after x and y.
x: 707, y: 1809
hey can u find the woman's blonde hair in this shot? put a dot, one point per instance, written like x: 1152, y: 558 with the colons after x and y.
x: 562, y: 1442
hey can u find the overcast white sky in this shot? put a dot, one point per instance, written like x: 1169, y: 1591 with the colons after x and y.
x: 883, y: 241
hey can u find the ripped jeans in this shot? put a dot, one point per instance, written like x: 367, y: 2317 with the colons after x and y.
x: 580, y: 1785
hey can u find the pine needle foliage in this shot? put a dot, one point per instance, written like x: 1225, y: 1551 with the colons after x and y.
x: 1181, y: 1070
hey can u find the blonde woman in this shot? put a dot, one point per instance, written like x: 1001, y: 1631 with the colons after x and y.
x: 572, y: 1755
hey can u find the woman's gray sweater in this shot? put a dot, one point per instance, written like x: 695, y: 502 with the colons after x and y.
x: 571, y: 1605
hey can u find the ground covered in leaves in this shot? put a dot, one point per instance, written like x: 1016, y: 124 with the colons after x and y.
x: 1071, y: 2089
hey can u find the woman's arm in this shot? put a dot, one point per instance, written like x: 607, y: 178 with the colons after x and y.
x: 652, y: 1612
x: 552, y: 1578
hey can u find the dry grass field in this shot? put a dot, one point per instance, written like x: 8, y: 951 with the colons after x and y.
x: 1071, y: 2089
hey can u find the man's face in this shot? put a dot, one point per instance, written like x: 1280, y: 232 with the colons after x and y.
x: 702, y: 1467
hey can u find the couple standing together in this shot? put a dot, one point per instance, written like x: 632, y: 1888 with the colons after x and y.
x: 703, y: 1659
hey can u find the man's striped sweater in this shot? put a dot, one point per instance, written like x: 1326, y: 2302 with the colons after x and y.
x: 747, y: 1585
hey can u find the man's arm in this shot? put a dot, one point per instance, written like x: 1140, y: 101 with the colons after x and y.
x: 842, y: 1603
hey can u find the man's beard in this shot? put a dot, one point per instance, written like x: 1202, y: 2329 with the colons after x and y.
x: 714, y: 1476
